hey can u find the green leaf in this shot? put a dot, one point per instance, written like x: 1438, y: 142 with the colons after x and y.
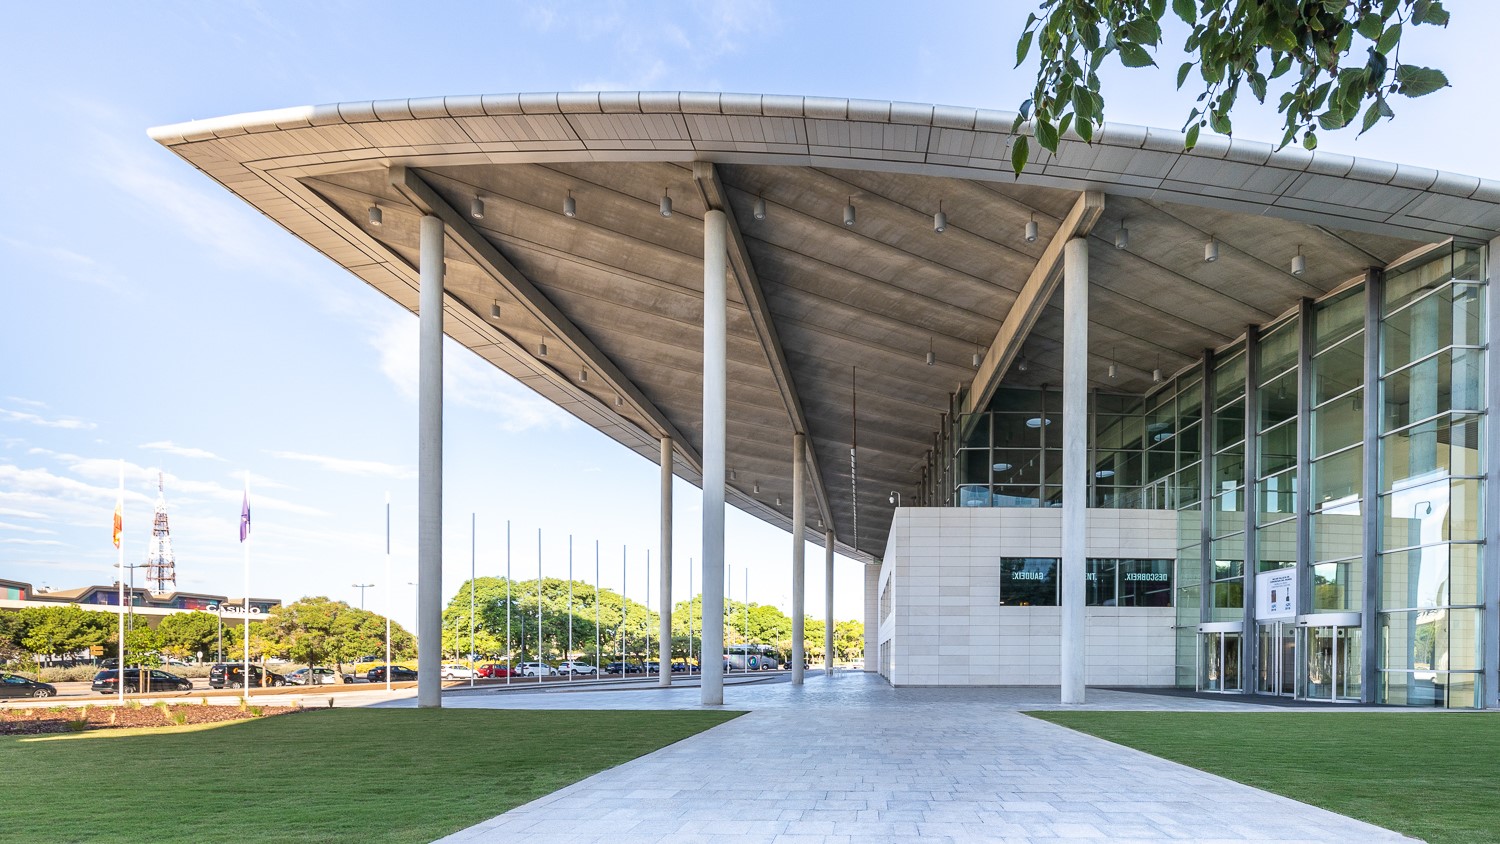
x: 1062, y: 125
x: 1385, y: 107
x: 1192, y: 137
x: 1388, y: 40
x: 1372, y: 116
x: 1413, y: 81
x: 1158, y: 8
x: 1369, y: 26
x: 1020, y: 151
x: 1143, y: 30
x: 1331, y: 120
x: 1182, y: 73
x: 1257, y: 86
x: 1188, y: 11
x: 1046, y: 135
x: 1134, y: 55
x: 1085, y: 130
x: 1024, y: 46
x: 1219, y: 120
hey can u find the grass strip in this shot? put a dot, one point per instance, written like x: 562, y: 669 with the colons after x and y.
x: 1429, y: 775
x: 340, y: 775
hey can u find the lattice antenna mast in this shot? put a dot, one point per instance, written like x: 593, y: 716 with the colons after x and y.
x: 161, y: 563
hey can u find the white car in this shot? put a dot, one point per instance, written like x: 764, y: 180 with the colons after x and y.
x: 576, y: 667
x: 537, y: 669
x: 320, y: 677
x: 454, y: 671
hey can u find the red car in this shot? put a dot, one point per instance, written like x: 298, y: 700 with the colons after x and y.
x: 496, y: 669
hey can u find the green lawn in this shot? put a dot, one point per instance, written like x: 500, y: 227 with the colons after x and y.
x: 357, y: 775
x: 1431, y: 775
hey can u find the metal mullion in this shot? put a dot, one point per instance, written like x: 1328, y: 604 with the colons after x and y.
x: 1344, y: 395
x: 1250, y: 639
x: 1433, y: 292
x: 1305, y: 342
x: 1205, y: 494
x: 1408, y: 426
x: 1438, y: 352
x: 1370, y: 488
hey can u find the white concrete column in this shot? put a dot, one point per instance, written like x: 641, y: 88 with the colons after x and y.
x: 430, y: 465
x: 828, y: 603
x: 1075, y: 463
x: 664, y: 651
x: 872, y: 618
x: 715, y: 362
x: 799, y: 558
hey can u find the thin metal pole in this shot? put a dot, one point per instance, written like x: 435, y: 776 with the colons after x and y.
x: 647, y: 659
x: 690, y: 617
x: 510, y: 659
x: 473, y: 565
x: 624, y: 605
x: 539, y: 660
x: 598, y: 641
x: 828, y: 603
x: 390, y: 590
x: 747, y: 616
x: 120, y: 580
x: 245, y: 541
x: 570, y: 607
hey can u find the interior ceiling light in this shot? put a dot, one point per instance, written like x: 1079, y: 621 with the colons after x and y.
x: 570, y: 206
x: 1122, y: 237
x: 1105, y: 473
x: 376, y: 217
x: 495, y: 310
x: 1031, y: 230
x: 755, y: 489
x: 542, y: 349
x: 976, y: 359
x: 476, y: 208
x: 619, y: 402
x: 1021, y: 365
x: 666, y: 203
x: 1114, y: 371
x: 1037, y: 422
x: 731, y: 474
x: 931, y: 359
x: 1299, y: 262
x: 1211, y: 250
x: 760, y: 208
x: 778, y: 501
x: 1001, y: 467
x: 940, y: 220
x: 583, y: 375
x: 1156, y: 375
x: 849, y: 212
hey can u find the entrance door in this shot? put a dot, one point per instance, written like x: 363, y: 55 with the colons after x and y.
x: 1278, y: 659
x: 1219, y: 657
x: 1331, y: 668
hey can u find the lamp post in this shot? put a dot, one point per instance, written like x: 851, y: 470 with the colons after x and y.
x: 130, y: 627
x: 362, y: 587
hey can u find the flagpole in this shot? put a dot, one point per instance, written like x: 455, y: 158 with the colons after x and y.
x: 690, y: 617
x: 624, y: 664
x: 119, y: 531
x: 539, y: 606
x: 598, y: 641
x: 389, y: 591
x: 570, y: 607
x: 473, y: 556
x: 245, y: 541
x: 510, y: 663
x: 647, y: 659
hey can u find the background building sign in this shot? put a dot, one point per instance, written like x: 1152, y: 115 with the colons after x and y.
x: 1276, y: 594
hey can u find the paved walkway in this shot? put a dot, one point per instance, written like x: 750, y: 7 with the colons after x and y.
x: 849, y: 759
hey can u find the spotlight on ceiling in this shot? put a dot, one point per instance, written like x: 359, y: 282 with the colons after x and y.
x: 1114, y: 372
x: 1211, y: 250
x: 376, y: 217
x: 778, y: 501
x: 619, y: 402
x: 940, y: 220
x: 476, y: 208
x: 1031, y: 230
x: 666, y: 203
x: 760, y: 208
x: 583, y: 375
x: 495, y: 310
x: 1156, y: 376
x: 1122, y: 237
x: 1299, y: 262
x: 731, y: 474
x: 976, y: 359
x: 542, y: 349
x: 1021, y: 364
x: 755, y: 488
x: 570, y: 206
x: 849, y: 212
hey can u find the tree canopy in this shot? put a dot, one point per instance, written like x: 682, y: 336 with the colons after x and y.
x: 1334, y: 58
x: 319, y: 631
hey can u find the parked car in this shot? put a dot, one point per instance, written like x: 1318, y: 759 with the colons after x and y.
x: 14, y: 685
x: 537, y: 669
x: 454, y: 671
x: 140, y: 680
x: 399, y: 674
x: 316, y: 677
x: 498, y: 669
x: 622, y: 668
x: 231, y: 675
x: 573, y: 666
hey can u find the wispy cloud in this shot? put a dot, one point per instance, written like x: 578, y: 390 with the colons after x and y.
x: 28, y: 402
x: 66, y: 263
x: 11, y: 540
x: 25, y: 528
x: 169, y: 447
x: 467, y: 379
x: 347, y: 466
x: 34, y: 419
x: 21, y: 514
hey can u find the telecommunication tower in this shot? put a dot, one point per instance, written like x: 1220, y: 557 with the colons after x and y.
x: 161, y: 563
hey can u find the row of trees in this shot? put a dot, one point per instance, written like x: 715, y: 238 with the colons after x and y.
x: 588, y: 616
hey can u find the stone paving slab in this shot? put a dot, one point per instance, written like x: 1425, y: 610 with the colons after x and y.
x: 849, y: 759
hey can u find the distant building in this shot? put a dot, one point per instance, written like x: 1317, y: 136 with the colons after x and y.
x: 17, y: 595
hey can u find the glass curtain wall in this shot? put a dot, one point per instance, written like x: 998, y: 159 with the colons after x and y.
x: 1226, y: 517
x: 1276, y: 486
x: 1432, y: 365
x: 1337, y: 437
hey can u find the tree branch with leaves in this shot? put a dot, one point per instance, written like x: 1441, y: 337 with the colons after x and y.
x: 1309, y: 47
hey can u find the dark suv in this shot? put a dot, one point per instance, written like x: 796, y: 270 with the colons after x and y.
x: 140, y: 680
x: 231, y: 675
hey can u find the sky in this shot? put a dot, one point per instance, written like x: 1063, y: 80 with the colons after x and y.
x: 150, y: 317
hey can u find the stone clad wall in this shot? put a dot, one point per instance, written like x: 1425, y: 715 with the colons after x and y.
x: 947, y: 626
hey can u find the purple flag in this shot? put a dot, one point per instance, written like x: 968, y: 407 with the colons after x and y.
x: 245, y: 519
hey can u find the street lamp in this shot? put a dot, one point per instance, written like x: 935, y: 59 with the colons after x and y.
x: 362, y: 587
x: 131, y: 625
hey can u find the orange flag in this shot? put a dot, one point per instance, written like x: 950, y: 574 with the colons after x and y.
x: 119, y: 519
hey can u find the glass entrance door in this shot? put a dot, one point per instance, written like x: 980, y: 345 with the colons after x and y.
x: 1219, y: 654
x: 1277, y: 672
x: 1332, y: 666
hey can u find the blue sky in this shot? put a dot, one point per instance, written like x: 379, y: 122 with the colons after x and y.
x: 148, y: 315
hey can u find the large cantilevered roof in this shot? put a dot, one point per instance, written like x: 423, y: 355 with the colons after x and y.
x: 824, y: 318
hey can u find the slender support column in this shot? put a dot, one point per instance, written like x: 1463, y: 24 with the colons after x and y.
x: 715, y: 361
x: 1491, y: 578
x: 828, y: 603
x: 872, y: 617
x: 799, y: 558
x: 664, y: 650
x: 1075, y: 462
x: 430, y: 466
x: 1370, y: 486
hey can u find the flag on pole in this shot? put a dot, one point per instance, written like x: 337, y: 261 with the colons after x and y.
x: 244, y: 520
x: 119, y: 517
